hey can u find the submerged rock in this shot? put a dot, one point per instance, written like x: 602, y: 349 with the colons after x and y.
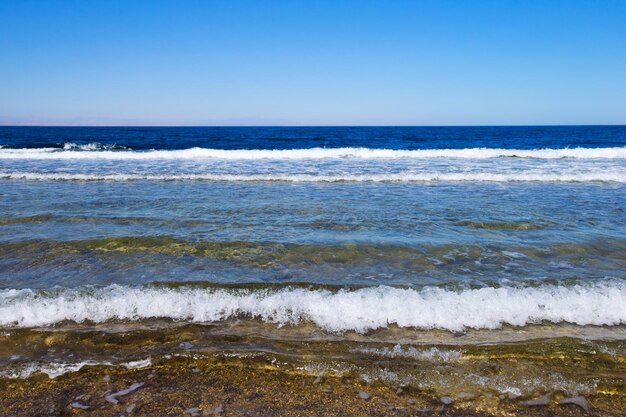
x: 541, y: 401
x: 364, y: 395
x: 112, y: 398
x: 194, y: 411
x: 446, y: 400
x: 186, y: 345
x: 579, y: 401
x: 78, y: 405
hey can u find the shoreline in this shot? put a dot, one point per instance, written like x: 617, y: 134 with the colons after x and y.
x: 249, y: 387
x: 253, y: 368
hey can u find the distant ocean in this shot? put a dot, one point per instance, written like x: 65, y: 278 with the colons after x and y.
x: 421, y: 244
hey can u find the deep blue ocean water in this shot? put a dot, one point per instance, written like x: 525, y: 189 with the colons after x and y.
x: 143, y: 138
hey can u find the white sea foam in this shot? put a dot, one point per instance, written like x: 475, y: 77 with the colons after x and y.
x: 140, y: 364
x: 98, y: 152
x: 432, y: 354
x: 601, y: 303
x: 53, y: 369
x: 87, y: 147
x: 618, y: 176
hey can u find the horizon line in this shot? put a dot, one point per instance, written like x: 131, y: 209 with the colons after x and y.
x: 306, y: 126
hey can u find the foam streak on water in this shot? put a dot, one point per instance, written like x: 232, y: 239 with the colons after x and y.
x: 601, y: 176
x: 93, y: 151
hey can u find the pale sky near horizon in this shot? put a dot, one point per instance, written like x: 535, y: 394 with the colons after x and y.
x: 312, y: 63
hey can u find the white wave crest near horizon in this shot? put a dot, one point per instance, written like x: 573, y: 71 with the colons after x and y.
x: 106, y: 152
x: 361, y: 310
x: 92, y: 147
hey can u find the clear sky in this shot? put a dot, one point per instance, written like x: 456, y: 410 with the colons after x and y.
x: 312, y: 63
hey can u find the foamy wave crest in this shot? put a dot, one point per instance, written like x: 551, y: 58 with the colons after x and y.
x: 601, y: 303
x: 618, y: 176
x: 96, y: 151
x: 90, y: 147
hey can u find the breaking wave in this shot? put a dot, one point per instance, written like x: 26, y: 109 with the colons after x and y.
x: 360, y: 310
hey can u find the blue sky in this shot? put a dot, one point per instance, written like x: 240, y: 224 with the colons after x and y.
x: 312, y: 63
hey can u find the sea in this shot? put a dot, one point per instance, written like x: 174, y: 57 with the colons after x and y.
x: 481, y: 260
